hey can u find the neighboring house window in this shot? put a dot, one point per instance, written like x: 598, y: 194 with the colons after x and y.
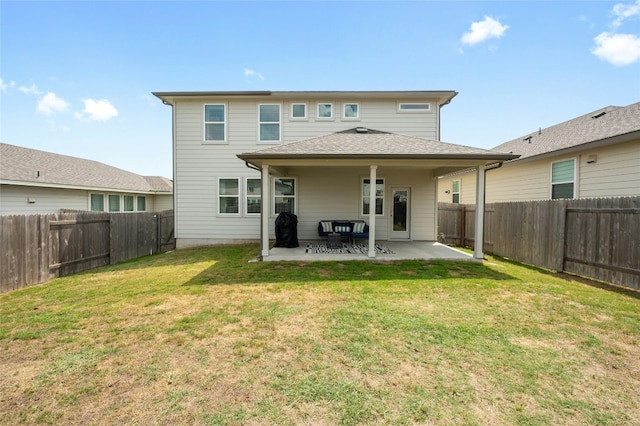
x: 284, y: 193
x: 214, y: 123
x: 97, y: 202
x: 325, y: 110
x: 228, y: 196
x: 366, y: 188
x: 351, y: 111
x: 128, y: 203
x: 414, y: 107
x: 455, y: 192
x: 254, y: 201
x: 562, y: 179
x: 269, y: 123
x: 299, y: 111
x: 114, y: 203
x: 142, y: 203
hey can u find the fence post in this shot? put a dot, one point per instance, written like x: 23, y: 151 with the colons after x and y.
x: 562, y: 232
x: 463, y: 225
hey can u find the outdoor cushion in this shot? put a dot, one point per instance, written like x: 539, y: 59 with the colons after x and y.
x: 327, y: 226
x: 343, y: 228
x: 358, y: 227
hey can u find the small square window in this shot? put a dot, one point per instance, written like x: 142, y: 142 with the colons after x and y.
x: 351, y: 111
x: 325, y: 110
x: 299, y: 111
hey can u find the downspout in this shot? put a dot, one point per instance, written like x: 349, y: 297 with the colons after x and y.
x: 254, y: 167
x: 478, y: 251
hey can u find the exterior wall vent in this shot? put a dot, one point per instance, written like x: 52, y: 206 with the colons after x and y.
x: 598, y: 115
x: 362, y: 130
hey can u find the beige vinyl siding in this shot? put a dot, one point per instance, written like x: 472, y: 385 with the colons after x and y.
x: 198, y: 164
x: 14, y: 200
x: 616, y: 172
x: 467, y: 188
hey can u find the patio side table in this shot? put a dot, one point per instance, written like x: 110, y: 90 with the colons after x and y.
x: 334, y: 241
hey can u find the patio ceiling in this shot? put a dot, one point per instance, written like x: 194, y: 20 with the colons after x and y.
x: 363, y: 147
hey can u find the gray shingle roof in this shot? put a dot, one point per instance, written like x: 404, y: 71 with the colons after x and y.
x: 18, y: 164
x: 375, y: 145
x: 596, y: 126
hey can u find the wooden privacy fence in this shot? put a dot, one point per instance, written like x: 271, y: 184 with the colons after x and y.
x: 595, y: 238
x: 35, y: 249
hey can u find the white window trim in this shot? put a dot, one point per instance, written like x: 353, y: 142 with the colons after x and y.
x: 246, y: 196
x: 384, y: 196
x: 574, y: 182
x: 414, y: 111
x: 318, y: 111
x: 306, y: 112
x: 238, y: 196
x: 204, y: 125
x: 273, y: 194
x: 344, y: 111
x: 280, y: 130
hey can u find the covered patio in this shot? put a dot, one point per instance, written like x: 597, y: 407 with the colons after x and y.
x: 328, y: 167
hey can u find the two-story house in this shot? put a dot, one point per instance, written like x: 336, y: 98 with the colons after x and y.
x: 241, y: 158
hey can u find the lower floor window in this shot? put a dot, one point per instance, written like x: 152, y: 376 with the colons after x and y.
x: 142, y: 203
x: 284, y: 195
x: 455, y: 192
x: 128, y: 203
x: 97, y: 202
x: 379, y: 196
x: 563, y: 179
x: 254, y: 196
x: 114, y: 203
x: 228, y: 196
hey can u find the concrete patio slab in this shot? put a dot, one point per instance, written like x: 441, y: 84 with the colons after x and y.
x: 402, y: 250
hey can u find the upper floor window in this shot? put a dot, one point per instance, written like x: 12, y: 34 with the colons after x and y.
x: 563, y: 179
x: 414, y: 107
x: 455, y: 192
x: 325, y: 110
x: 299, y: 111
x: 269, y: 122
x: 215, y: 123
x: 379, y: 196
x: 351, y: 111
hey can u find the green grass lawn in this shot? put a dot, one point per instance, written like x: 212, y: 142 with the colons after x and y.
x: 203, y: 337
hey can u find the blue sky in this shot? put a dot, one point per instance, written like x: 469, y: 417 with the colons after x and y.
x: 76, y: 77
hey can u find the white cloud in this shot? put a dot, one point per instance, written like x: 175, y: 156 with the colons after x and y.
x: 484, y: 30
x: 623, y: 12
x: 51, y: 103
x: 101, y: 110
x: 248, y: 72
x: 617, y: 49
x: 3, y: 86
x: 31, y: 90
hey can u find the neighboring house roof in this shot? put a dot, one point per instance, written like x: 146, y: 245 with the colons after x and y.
x: 25, y: 166
x: 370, y: 144
x: 606, y: 125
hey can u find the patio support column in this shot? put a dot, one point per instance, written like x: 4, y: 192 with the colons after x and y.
x: 264, y: 212
x: 478, y: 246
x: 372, y: 210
